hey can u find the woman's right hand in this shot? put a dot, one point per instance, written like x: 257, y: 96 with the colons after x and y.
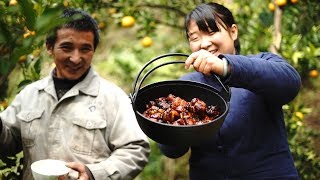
x: 205, y: 62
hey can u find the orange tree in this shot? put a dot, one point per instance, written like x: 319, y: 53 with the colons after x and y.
x: 288, y: 28
x: 300, y: 44
x: 21, y: 37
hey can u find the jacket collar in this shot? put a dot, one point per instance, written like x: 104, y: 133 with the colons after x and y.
x: 89, y: 85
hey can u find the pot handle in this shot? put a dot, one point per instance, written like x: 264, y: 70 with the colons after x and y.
x: 134, y: 93
x: 136, y: 87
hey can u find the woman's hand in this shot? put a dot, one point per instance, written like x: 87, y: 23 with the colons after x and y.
x: 205, y: 62
x: 80, y: 168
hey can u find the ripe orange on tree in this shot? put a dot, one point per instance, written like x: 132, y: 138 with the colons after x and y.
x: 280, y: 2
x: 28, y: 33
x: 127, y: 21
x: 101, y: 25
x: 271, y: 6
x: 299, y: 115
x: 294, y: 1
x: 314, y: 73
x: 4, y: 104
x: 22, y: 59
x: 36, y: 52
x: 112, y: 10
x: 13, y: 2
x: 146, y: 41
x: 66, y: 3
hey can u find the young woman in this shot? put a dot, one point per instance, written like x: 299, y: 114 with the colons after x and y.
x: 252, y: 142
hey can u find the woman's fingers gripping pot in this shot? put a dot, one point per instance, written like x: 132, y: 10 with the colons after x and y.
x: 205, y: 62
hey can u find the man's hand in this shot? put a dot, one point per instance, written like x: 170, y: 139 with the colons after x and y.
x: 81, y: 168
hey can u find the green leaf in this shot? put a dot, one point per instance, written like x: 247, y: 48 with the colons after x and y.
x: 296, y: 56
x: 29, y: 13
x: 317, y: 52
x: 23, y: 83
x: 5, y: 35
x: 19, y: 52
x: 47, y: 20
x: 4, y: 66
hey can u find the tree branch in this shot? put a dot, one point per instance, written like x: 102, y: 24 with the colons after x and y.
x: 277, y: 36
x: 168, y: 24
x: 160, y: 6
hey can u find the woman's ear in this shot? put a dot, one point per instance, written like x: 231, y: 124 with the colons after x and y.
x: 234, y: 32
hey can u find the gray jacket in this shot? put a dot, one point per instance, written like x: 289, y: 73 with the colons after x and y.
x: 92, y: 123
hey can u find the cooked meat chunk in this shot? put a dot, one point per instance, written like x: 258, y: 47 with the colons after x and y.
x: 177, y: 111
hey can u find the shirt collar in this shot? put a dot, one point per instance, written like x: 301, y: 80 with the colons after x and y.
x: 89, y: 85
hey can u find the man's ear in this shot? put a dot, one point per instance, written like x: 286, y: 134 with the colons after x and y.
x: 234, y: 32
x: 49, y: 49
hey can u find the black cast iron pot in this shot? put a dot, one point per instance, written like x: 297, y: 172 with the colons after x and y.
x: 171, y: 134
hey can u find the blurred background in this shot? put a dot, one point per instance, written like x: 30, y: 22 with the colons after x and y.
x: 135, y: 31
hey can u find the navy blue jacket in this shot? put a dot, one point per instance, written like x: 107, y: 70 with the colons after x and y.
x: 252, y: 142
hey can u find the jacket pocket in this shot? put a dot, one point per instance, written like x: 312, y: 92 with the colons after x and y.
x: 88, y: 135
x: 29, y: 126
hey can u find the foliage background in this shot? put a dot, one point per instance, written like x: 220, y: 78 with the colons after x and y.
x: 119, y: 57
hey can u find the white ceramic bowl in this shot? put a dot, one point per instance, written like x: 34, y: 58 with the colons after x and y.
x: 49, y: 169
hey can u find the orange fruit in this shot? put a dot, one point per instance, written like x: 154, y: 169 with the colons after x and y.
x: 294, y: 1
x: 27, y: 34
x: 22, y: 59
x: 280, y: 2
x: 4, y: 104
x: 127, y: 21
x: 271, y: 6
x: 299, y: 115
x: 314, y: 73
x: 66, y: 3
x: 101, y: 25
x: 36, y: 52
x: 94, y: 15
x: 112, y: 10
x: 13, y: 2
x: 146, y: 41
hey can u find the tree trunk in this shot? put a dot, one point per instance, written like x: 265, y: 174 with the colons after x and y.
x: 276, y: 38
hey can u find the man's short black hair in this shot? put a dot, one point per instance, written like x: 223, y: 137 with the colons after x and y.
x: 78, y: 20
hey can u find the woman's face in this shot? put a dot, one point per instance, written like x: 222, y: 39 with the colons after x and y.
x: 220, y: 42
x: 72, y: 53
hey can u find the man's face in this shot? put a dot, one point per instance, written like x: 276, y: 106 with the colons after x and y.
x: 72, y: 53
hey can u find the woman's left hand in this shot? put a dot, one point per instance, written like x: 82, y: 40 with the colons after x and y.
x: 205, y: 62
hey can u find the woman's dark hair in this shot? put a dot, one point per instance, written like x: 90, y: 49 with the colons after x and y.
x: 78, y: 20
x: 208, y: 15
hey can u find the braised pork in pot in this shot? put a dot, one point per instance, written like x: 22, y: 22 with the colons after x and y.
x: 177, y: 111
